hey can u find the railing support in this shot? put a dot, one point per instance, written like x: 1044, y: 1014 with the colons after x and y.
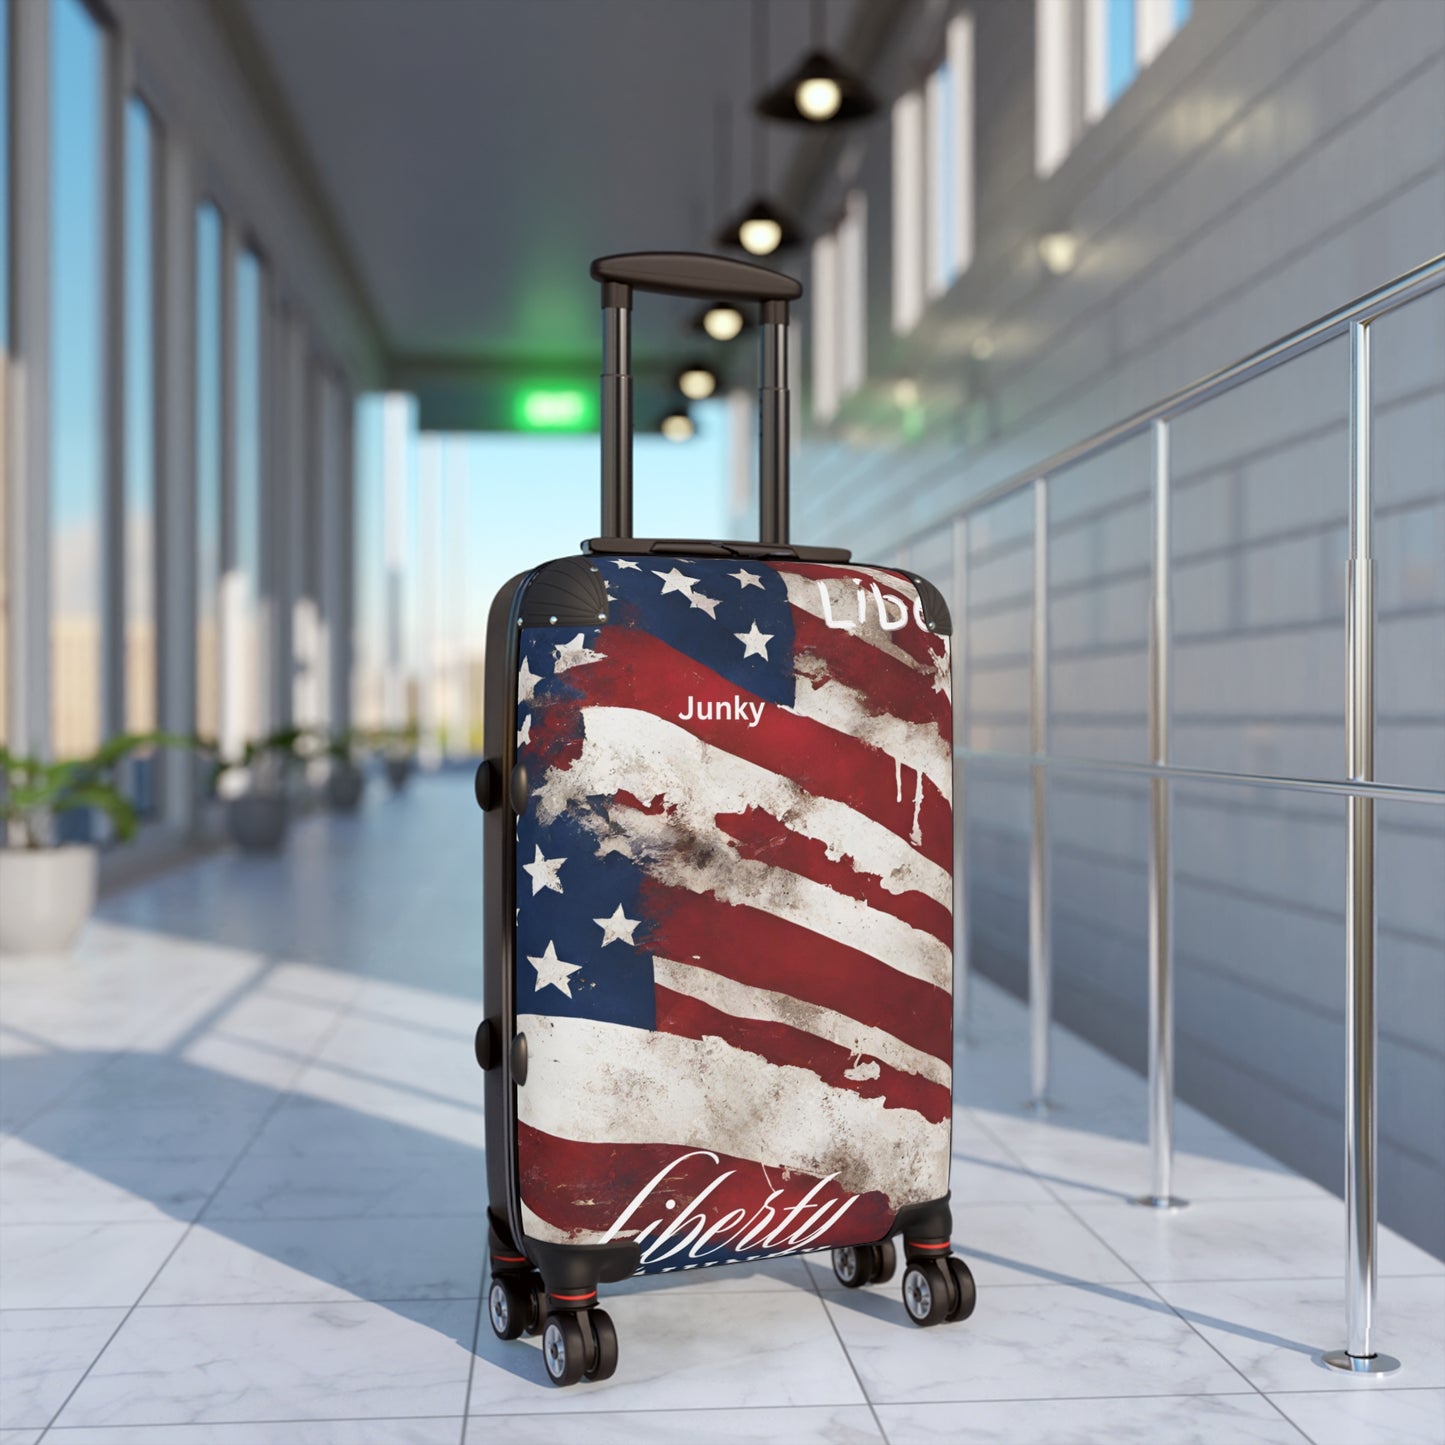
x: 1161, y: 876
x: 1359, y: 1355
x: 1041, y: 970
x: 959, y: 644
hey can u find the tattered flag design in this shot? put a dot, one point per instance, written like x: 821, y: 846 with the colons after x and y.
x: 734, y: 956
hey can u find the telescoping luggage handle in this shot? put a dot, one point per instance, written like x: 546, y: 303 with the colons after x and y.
x: 711, y: 278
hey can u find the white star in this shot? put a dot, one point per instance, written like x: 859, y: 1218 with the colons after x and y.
x: 527, y: 681
x: 674, y: 581
x: 524, y: 733
x: 747, y: 579
x: 574, y: 654
x: 544, y: 872
x: 618, y: 926
x: 551, y: 969
x: 621, y: 562
x: 754, y: 643
x: 708, y: 604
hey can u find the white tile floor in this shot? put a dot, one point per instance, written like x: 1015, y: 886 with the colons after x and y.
x: 241, y: 1201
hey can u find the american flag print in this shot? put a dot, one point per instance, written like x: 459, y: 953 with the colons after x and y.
x: 734, y: 898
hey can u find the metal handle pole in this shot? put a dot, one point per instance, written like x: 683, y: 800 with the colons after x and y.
x: 773, y: 422
x: 616, y: 423
x: 1161, y: 919
x: 1359, y: 1355
x: 1040, y: 941
x: 959, y: 643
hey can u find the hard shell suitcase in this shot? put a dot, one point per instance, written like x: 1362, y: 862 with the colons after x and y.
x: 718, y: 850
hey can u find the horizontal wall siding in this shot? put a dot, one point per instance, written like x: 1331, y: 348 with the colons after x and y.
x: 1278, y: 159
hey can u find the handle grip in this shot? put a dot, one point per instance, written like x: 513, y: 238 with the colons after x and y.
x: 691, y: 273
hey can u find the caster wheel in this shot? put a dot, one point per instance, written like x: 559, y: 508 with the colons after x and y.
x: 509, y: 1306
x: 603, y: 1362
x: 965, y: 1291
x: 563, y: 1351
x: 927, y: 1292
x: 853, y: 1266
x: 537, y: 1314
x: 885, y: 1261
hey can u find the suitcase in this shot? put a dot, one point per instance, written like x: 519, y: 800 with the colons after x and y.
x: 718, y: 851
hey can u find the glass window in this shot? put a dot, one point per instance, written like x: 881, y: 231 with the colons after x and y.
x: 4, y: 349
x: 208, y: 468
x: 908, y: 193
x: 140, y: 453
x: 244, y: 588
x: 77, y: 420
x: 1120, y: 59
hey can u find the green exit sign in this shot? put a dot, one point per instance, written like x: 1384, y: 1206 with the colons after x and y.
x: 554, y: 408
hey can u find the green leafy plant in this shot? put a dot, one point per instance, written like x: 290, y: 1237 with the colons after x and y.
x: 268, y: 758
x: 33, y: 791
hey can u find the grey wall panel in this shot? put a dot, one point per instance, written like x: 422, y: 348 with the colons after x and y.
x: 1277, y: 160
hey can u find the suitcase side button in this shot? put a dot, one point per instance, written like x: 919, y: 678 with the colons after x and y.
x: 518, y: 789
x: 519, y: 1059
x: 485, y: 785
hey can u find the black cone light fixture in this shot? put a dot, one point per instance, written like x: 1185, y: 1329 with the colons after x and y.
x: 820, y: 90
x: 762, y: 227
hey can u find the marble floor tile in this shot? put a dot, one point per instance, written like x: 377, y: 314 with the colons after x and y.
x: 1006, y: 1244
x: 177, y: 1130
x: 69, y: 1266
x: 205, y: 1364
x: 43, y: 1354
x: 797, y: 1425
x: 1243, y: 1239
x: 34, y: 1078
x: 1029, y: 1342
x: 295, y: 1260
x: 1371, y: 1417
x: 445, y: 1180
x: 436, y: 1430
x: 984, y: 1172
x: 20, y: 1437
x: 1150, y: 1420
x: 38, y: 1188
x: 406, y: 1055
x: 791, y: 1273
x: 679, y: 1350
x: 1274, y: 1331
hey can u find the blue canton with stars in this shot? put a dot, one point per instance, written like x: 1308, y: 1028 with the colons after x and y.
x: 581, y: 947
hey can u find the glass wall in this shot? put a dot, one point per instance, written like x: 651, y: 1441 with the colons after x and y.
x: 4, y: 358
x: 208, y: 469
x: 77, y: 419
x: 140, y: 449
x: 242, y: 586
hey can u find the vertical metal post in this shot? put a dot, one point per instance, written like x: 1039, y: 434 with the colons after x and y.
x: 1041, y: 970
x: 1359, y: 1355
x: 773, y: 422
x: 959, y: 644
x: 616, y: 423
x: 1161, y: 918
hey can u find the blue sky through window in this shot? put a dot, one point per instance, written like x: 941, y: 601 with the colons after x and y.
x: 1122, y: 64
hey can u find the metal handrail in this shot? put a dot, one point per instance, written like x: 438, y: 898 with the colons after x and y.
x: 1359, y: 788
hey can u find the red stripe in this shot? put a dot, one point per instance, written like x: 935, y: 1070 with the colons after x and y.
x: 762, y: 837
x: 584, y: 1188
x: 758, y: 949
x: 922, y: 646
x: 641, y: 672
x: 888, y: 686
x: 782, y: 1044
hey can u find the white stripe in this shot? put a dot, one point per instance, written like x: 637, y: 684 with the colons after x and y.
x: 741, y: 1001
x: 649, y: 757
x: 602, y: 1083
x: 918, y: 746
x: 691, y: 852
x: 842, y: 593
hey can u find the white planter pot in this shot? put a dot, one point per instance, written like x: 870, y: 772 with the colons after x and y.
x: 46, y: 894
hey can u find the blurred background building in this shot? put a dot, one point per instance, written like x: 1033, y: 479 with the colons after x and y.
x: 299, y: 365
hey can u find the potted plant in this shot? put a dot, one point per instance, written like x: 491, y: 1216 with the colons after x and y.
x: 400, y: 752
x: 47, y: 888
x: 255, y: 787
x: 345, y: 782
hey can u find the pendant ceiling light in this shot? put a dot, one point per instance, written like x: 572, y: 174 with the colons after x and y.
x: 762, y: 227
x: 820, y: 90
x: 697, y: 381
x: 721, y: 321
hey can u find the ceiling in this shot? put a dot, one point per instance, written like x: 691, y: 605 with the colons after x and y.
x: 475, y: 155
